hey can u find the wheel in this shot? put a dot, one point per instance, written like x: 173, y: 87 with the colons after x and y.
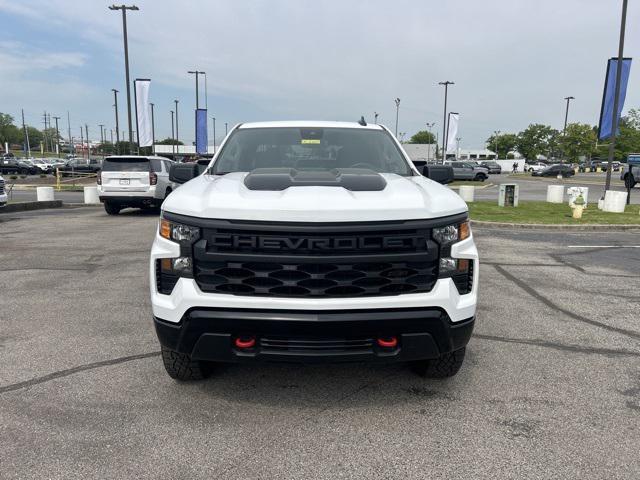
x: 181, y: 367
x: 480, y: 177
x: 24, y: 171
x: 111, y: 208
x: 446, y: 366
x: 629, y: 181
x: 530, y: 170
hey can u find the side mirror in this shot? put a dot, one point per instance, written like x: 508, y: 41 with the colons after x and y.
x: 183, y: 172
x: 439, y: 173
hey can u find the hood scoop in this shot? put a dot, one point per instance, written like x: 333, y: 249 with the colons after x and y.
x: 353, y: 179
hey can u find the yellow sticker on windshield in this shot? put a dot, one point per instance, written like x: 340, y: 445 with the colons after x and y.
x: 310, y: 141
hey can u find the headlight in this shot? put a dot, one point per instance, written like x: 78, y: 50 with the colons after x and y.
x: 451, y: 233
x: 178, y: 232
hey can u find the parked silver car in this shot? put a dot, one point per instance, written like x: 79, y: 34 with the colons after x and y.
x: 134, y: 181
x: 468, y: 171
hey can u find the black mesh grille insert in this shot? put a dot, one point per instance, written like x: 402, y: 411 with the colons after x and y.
x: 315, y: 345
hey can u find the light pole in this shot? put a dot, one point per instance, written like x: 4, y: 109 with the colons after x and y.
x: 173, y: 144
x: 57, y: 136
x: 72, y: 148
x: 429, y: 127
x: 375, y: 117
x: 177, y: 134
x: 444, y: 118
x: 495, y: 142
x: 566, y: 117
x: 153, y: 129
x: 115, y: 106
x: 397, y: 102
x: 101, y: 125
x: 82, y: 140
x: 124, y: 9
x: 226, y: 128
x: 197, y: 72
x: 86, y: 129
x: 616, y: 102
x: 214, y: 134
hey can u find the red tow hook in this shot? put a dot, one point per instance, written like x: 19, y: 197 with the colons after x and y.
x: 388, y: 342
x: 245, y: 342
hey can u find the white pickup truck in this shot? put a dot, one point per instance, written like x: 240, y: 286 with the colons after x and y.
x: 311, y: 242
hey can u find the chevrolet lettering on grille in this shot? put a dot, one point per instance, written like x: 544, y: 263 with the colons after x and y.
x: 315, y: 243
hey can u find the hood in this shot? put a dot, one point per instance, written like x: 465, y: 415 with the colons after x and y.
x: 227, y: 197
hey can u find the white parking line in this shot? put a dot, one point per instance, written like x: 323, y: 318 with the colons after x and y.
x: 603, y: 246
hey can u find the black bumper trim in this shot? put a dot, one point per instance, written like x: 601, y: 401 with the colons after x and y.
x: 207, y: 334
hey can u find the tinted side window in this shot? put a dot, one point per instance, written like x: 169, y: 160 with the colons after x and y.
x: 156, y: 165
x: 167, y: 165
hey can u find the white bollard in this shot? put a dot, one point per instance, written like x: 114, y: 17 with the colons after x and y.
x: 555, y: 193
x: 91, y: 195
x: 466, y: 192
x: 614, y: 201
x: 44, y: 194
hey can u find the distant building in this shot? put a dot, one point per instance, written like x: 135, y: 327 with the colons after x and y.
x: 420, y: 151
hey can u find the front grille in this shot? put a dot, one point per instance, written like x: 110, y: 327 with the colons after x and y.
x: 321, y: 260
x: 316, y: 279
x: 325, y: 346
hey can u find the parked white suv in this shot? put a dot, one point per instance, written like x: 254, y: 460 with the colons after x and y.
x: 3, y: 192
x: 133, y: 181
x: 313, y: 241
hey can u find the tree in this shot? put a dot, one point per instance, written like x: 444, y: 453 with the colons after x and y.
x: 502, y: 144
x: 169, y: 141
x: 578, y: 139
x: 35, y: 137
x: 424, y: 137
x: 535, y: 140
x: 8, y: 131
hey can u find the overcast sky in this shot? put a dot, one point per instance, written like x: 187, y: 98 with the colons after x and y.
x: 512, y: 61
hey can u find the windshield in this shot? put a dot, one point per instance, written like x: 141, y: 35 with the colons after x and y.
x: 310, y: 149
x: 132, y: 164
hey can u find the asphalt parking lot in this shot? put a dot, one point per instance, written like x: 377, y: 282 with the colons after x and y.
x: 550, y: 387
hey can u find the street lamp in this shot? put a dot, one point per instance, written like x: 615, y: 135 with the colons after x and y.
x: 57, y: 136
x: 429, y: 127
x: 375, y: 117
x: 115, y: 106
x: 566, y: 117
x: 397, y: 102
x: 197, y: 72
x: 226, y: 128
x: 495, y: 141
x: 124, y: 9
x: 444, y: 117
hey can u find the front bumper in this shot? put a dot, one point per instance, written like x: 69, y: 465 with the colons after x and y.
x: 301, y: 336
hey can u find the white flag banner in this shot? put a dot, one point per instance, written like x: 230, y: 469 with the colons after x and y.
x: 452, y: 133
x: 143, y: 112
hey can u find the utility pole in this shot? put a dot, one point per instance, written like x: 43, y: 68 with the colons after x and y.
x: 397, y: 102
x: 26, y: 136
x: 82, y: 139
x: 177, y: 134
x: 124, y: 9
x: 115, y: 106
x: 57, y: 136
x: 444, y: 118
x: 72, y: 148
x: 153, y: 130
x: 197, y: 72
x: 44, y: 133
x: 495, y: 142
x: 101, y: 125
x: 616, y: 100
x: 375, y: 117
x: 429, y: 127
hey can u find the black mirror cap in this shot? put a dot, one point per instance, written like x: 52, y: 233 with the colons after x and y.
x: 439, y: 173
x: 183, y: 172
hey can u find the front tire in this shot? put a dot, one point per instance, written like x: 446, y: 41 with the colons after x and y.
x: 181, y: 367
x: 480, y: 177
x: 445, y: 366
x: 111, y: 208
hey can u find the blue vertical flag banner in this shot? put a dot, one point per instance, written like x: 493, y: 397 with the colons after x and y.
x: 606, y: 112
x: 201, y: 131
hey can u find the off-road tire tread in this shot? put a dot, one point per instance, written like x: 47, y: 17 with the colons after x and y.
x: 181, y: 367
x: 444, y: 367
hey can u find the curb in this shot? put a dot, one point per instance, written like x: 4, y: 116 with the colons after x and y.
x: 76, y: 205
x: 541, y: 226
x: 486, y: 185
x: 26, y: 206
